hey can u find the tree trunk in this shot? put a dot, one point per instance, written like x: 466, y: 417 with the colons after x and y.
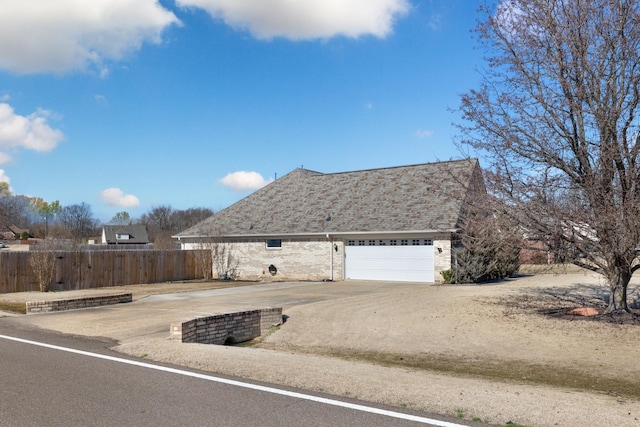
x: 618, y: 281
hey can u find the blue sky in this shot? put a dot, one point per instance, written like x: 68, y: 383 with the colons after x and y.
x: 195, y: 103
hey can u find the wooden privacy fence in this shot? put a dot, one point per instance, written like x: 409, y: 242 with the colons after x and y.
x: 96, y: 269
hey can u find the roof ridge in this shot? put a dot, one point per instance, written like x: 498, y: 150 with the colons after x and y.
x: 468, y: 159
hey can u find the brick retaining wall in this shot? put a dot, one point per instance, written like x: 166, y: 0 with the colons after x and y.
x: 76, y: 303
x: 227, y: 328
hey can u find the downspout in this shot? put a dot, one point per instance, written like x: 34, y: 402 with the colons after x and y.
x: 330, y: 258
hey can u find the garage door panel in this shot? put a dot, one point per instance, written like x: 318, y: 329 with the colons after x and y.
x: 399, y: 263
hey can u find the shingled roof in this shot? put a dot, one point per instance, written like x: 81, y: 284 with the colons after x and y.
x: 425, y: 197
x: 137, y: 233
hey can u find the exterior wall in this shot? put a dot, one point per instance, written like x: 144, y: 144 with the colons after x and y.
x: 297, y: 259
x: 312, y: 259
x: 442, y: 252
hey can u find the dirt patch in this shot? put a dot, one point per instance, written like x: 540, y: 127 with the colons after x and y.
x: 517, y: 331
x: 567, y: 303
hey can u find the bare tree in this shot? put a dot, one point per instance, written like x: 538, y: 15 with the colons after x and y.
x: 18, y: 210
x: 164, y: 220
x: 160, y: 217
x: 189, y: 217
x: 78, y: 221
x: 14, y: 209
x: 557, y: 115
x: 163, y: 241
x: 158, y: 220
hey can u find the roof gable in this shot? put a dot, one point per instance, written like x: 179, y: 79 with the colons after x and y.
x: 426, y: 197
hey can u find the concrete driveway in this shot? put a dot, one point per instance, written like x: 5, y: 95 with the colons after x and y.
x: 151, y: 316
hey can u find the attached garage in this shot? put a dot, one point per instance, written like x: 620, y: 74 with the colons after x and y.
x: 406, y: 260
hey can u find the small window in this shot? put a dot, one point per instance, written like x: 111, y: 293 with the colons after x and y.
x: 393, y: 242
x: 274, y: 243
x: 382, y: 243
x: 415, y: 242
x: 360, y: 242
x: 428, y: 242
x: 122, y: 236
x: 404, y: 242
x: 371, y: 243
x: 351, y: 243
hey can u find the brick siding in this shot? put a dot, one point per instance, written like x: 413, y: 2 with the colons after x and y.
x: 227, y: 328
x: 76, y: 303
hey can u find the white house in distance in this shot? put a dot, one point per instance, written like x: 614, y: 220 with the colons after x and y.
x: 393, y: 223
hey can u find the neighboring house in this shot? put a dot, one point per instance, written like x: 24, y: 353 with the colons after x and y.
x: 124, y: 235
x: 394, y: 223
x: 13, y: 232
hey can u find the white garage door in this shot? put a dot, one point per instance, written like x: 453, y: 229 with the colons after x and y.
x: 411, y: 263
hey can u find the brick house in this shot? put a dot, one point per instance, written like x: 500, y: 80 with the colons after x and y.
x: 393, y: 223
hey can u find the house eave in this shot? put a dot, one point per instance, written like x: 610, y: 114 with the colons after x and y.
x: 327, y: 234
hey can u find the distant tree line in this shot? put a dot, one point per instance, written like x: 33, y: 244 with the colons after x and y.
x: 77, y: 222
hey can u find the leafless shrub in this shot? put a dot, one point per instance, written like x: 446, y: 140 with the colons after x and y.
x: 204, y: 260
x: 216, y: 259
x: 225, y: 261
x: 43, y: 265
x: 487, y: 246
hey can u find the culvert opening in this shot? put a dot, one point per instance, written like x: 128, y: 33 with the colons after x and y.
x: 234, y: 328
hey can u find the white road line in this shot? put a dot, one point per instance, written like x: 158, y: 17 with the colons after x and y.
x: 272, y: 390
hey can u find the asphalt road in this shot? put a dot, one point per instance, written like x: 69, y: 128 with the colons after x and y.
x: 60, y: 380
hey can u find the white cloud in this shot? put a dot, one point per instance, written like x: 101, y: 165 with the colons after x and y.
x: 39, y: 36
x: 116, y: 197
x: 31, y: 132
x: 424, y: 133
x: 306, y: 19
x: 5, y: 97
x: 244, y: 181
x: 4, y: 159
